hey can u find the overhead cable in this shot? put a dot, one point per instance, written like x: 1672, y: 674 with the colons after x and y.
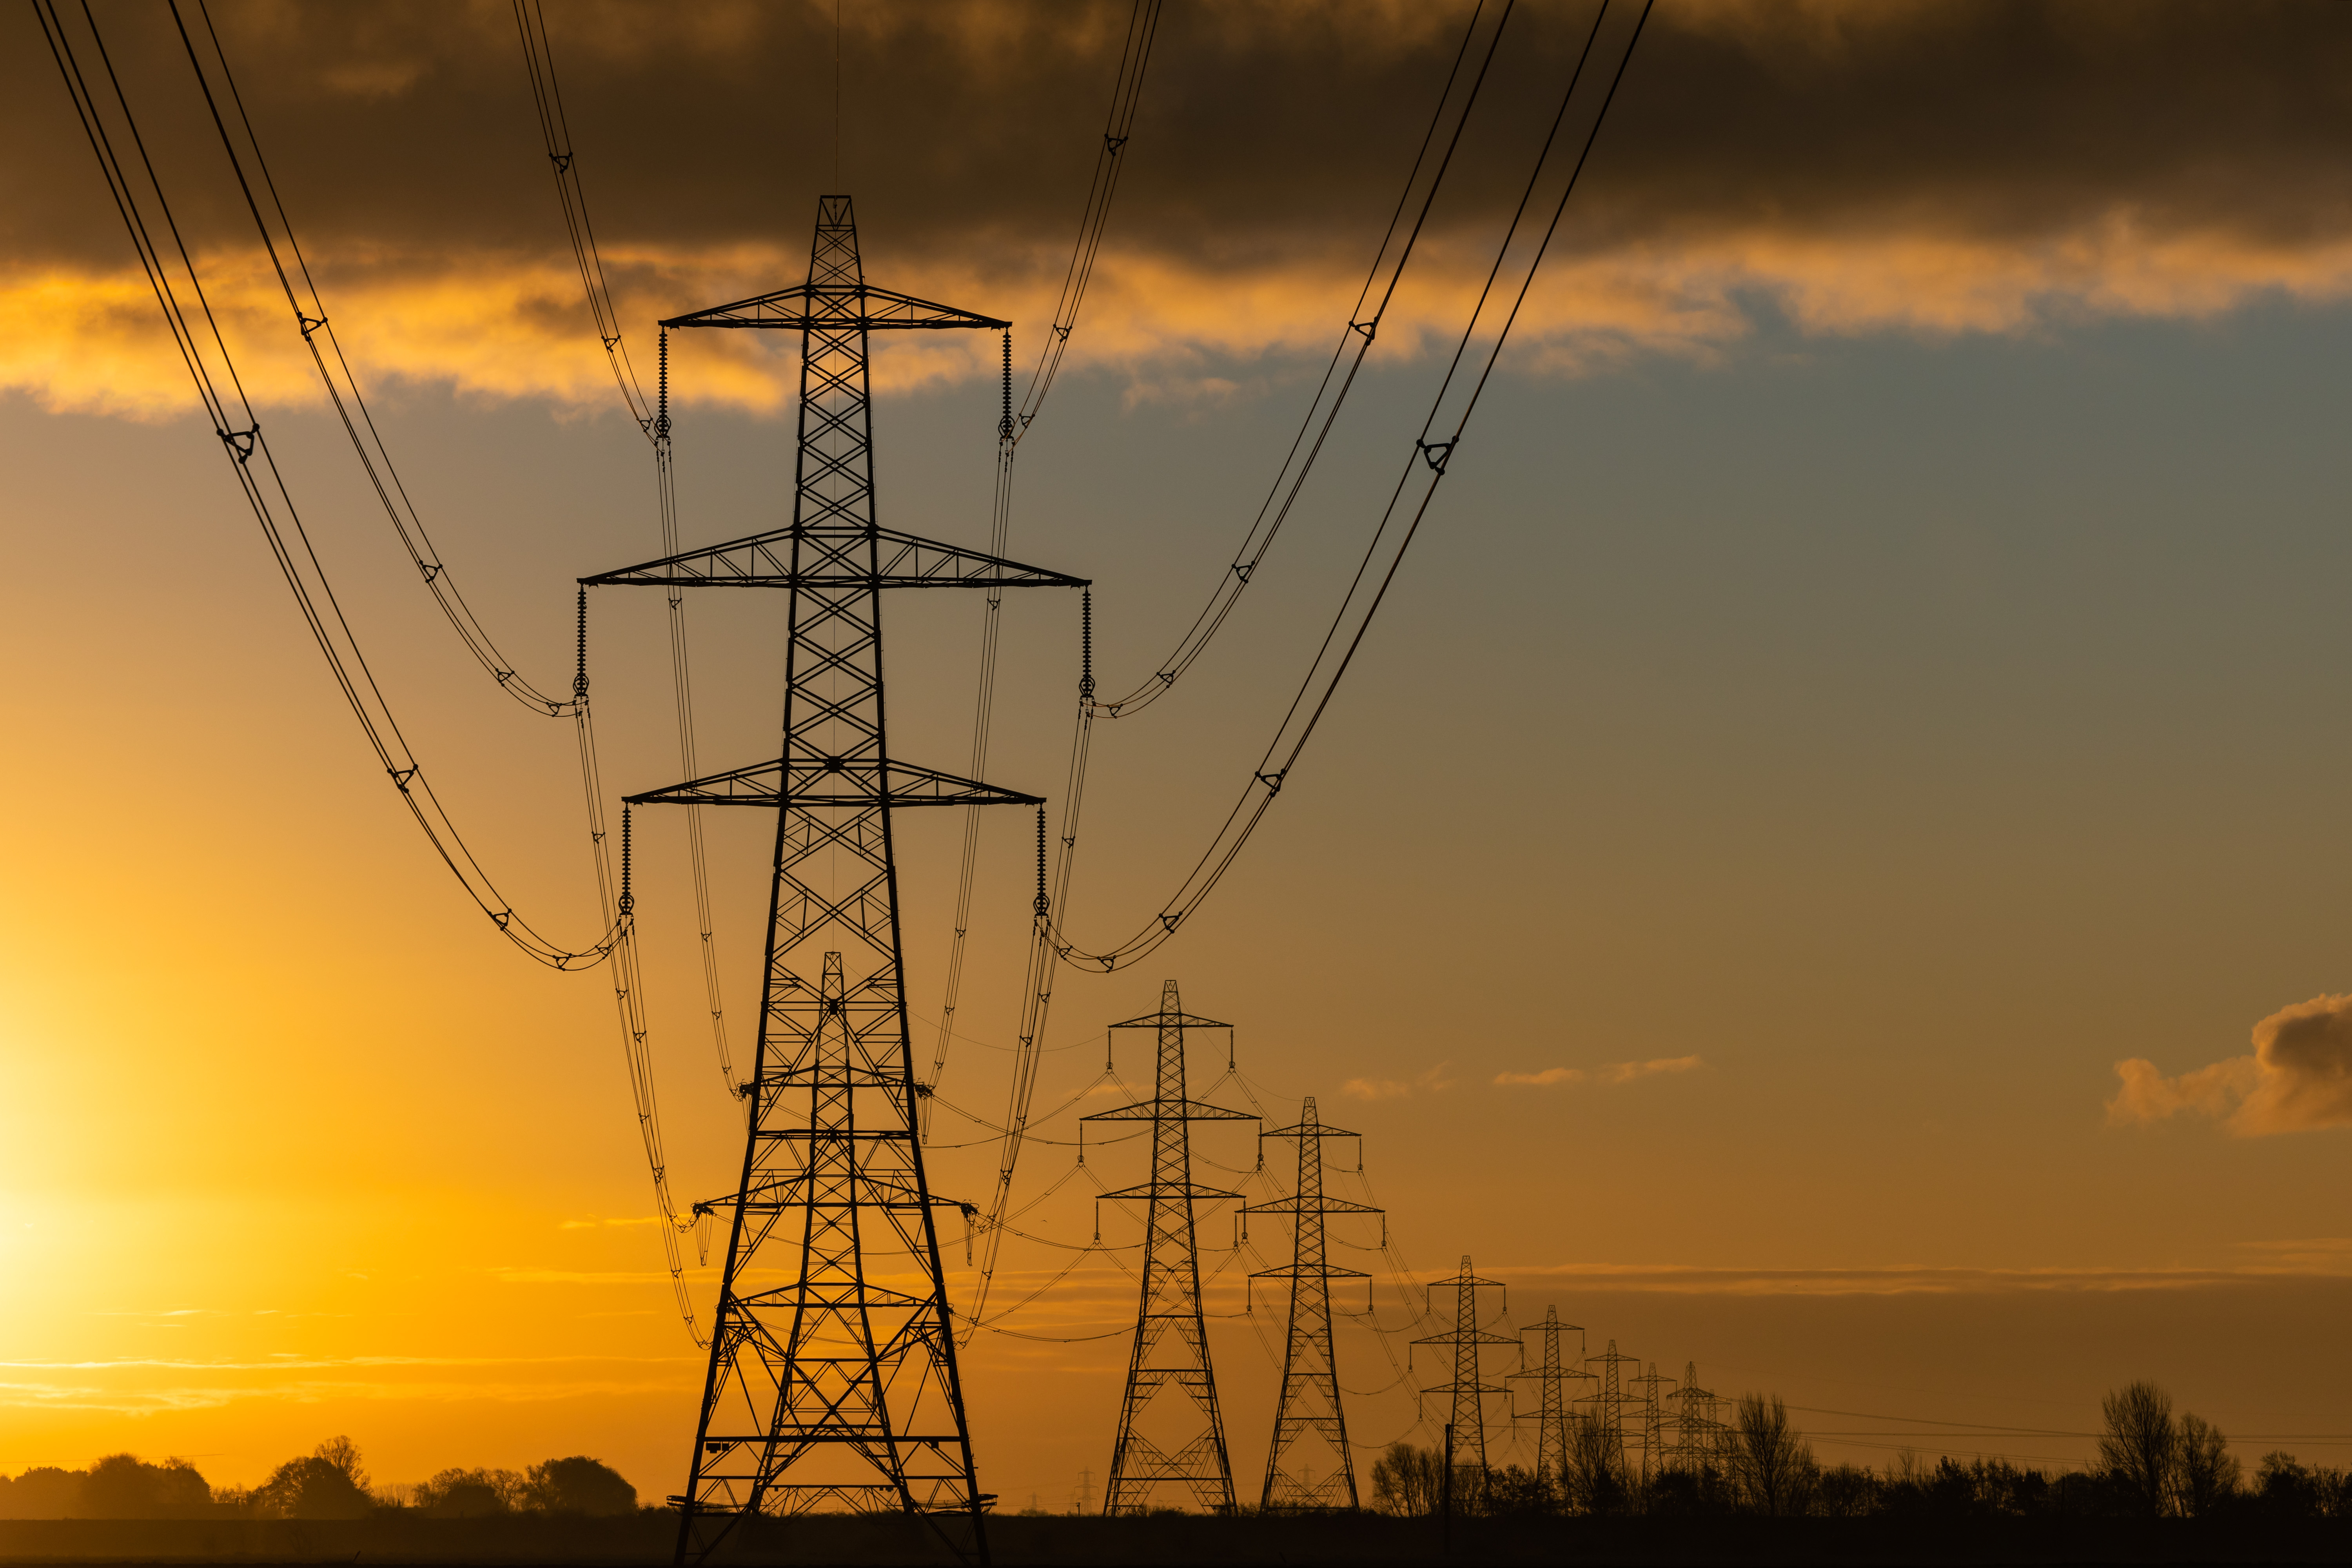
x: 627, y: 987
x: 196, y: 335
x: 555, y: 132
x: 1442, y: 430
x: 1389, y: 259
x: 1142, y: 26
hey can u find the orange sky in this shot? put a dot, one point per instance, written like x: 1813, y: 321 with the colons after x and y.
x: 1868, y: 679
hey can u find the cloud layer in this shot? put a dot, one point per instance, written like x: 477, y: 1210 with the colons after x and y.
x: 1615, y: 1072
x: 1933, y: 166
x: 2298, y: 1078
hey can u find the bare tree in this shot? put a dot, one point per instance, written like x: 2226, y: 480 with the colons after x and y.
x: 2204, y: 1473
x: 1595, y: 1480
x: 2140, y: 1446
x: 1774, y: 1464
x: 1408, y: 1480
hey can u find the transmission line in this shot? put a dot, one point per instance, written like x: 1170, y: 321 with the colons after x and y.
x: 1424, y: 469
x: 1143, y: 25
x: 234, y: 422
x: 305, y: 574
x: 1045, y: 948
x: 555, y: 132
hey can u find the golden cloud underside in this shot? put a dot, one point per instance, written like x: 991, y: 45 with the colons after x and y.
x: 1931, y: 168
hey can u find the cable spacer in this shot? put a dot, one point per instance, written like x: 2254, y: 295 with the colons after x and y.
x: 1111, y: 143
x: 1367, y: 328
x: 1272, y: 782
x: 240, y: 443
x: 310, y: 323
x: 1436, y: 454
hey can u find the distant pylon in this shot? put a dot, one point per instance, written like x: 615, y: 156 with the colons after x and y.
x: 1171, y: 1339
x: 826, y: 1387
x: 1608, y: 1398
x: 1653, y: 1424
x: 1468, y: 1416
x: 1694, y: 1425
x: 1551, y: 1418
x: 1309, y: 1404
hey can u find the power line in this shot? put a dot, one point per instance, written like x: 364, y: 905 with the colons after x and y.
x: 1384, y: 555
x: 238, y: 428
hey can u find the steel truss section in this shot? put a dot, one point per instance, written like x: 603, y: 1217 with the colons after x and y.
x: 1310, y: 1405
x: 1171, y: 1337
x: 1466, y: 1455
x: 833, y: 1381
x: 1551, y: 1377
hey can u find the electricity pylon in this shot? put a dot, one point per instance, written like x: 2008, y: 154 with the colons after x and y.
x: 1608, y: 1401
x: 1469, y: 1411
x: 1694, y: 1423
x: 1653, y: 1422
x: 1551, y: 1416
x: 827, y: 1387
x: 1310, y: 1405
x: 1171, y: 1338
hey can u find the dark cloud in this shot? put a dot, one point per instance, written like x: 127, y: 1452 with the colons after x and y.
x: 1267, y: 131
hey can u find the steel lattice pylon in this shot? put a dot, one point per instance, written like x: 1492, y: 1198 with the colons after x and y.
x: 827, y: 1386
x: 1171, y: 1338
x: 1609, y: 1405
x: 1468, y: 1417
x: 1310, y: 1405
x: 1653, y: 1422
x: 1551, y: 1414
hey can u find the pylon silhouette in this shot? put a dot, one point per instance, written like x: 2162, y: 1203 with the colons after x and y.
x: 1467, y: 1454
x: 825, y: 1387
x: 1310, y: 1405
x: 1171, y: 1338
x: 1551, y: 1414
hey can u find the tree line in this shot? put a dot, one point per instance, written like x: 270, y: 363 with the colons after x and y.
x: 2152, y: 1464
x: 329, y: 1482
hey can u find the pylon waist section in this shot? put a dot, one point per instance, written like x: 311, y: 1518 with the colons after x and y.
x: 833, y: 782
x: 837, y: 555
x: 1170, y: 1190
x: 1171, y: 1111
x: 837, y: 307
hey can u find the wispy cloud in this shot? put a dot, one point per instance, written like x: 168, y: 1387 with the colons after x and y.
x: 2298, y: 1078
x: 1615, y: 1072
x: 1434, y: 1081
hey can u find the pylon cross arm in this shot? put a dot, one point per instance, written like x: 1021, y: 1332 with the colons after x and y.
x: 836, y: 307
x: 834, y: 783
x: 834, y: 554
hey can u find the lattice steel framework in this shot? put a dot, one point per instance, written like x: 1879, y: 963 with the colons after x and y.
x: 1171, y: 1338
x: 1469, y: 1409
x: 1309, y: 1406
x: 1550, y: 1378
x: 1608, y: 1399
x: 1653, y: 1422
x: 832, y: 1379
x: 1694, y: 1426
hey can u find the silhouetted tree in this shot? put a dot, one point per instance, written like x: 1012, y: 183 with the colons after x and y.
x: 579, y: 1485
x: 2205, y: 1477
x: 1408, y: 1480
x: 473, y: 1494
x: 2140, y: 1446
x: 1596, y: 1480
x: 121, y: 1486
x: 1774, y: 1465
x: 328, y: 1484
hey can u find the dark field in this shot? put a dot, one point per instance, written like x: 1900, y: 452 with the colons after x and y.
x: 1183, y: 1539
